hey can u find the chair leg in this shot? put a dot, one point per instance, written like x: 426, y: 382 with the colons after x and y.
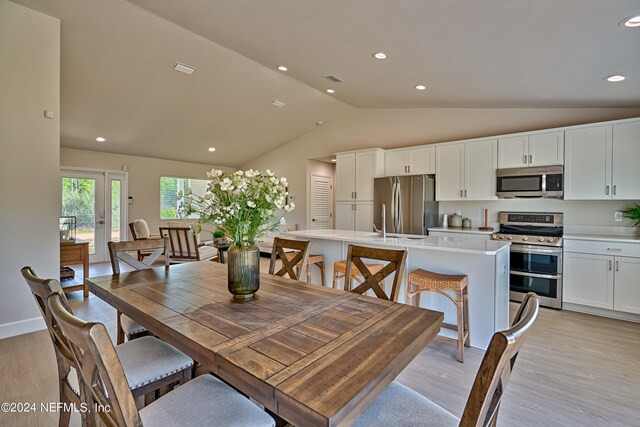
x: 65, y: 416
x: 334, y: 284
x: 308, y: 273
x: 120, y: 333
x: 465, y: 301
x: 321, y: 267
x: 460, y: 310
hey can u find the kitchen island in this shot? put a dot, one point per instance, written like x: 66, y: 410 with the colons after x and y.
x: 486, y: 262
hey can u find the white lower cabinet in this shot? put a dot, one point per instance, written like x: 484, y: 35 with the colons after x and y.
x: 588, y: 280
x: 602, y: 281
x: 356, y: 216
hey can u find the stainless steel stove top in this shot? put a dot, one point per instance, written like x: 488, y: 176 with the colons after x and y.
x: 530, y: 228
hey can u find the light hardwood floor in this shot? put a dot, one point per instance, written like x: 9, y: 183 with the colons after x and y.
x: 574, y: 370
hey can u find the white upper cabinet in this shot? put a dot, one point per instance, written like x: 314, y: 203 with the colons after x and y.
x: 345, y: 177
x: 366, y: 171
x: 626, y: 161
x: 540, y: 149
x: 410, y: 161
x: 466, y: 171
x: 601, y: 162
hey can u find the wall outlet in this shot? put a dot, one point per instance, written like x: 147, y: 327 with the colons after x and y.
x: 617, y: 216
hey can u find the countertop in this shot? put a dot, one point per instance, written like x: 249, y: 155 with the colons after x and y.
x: 445, y: 244
x: 602, y: 237
x: 462, y: 230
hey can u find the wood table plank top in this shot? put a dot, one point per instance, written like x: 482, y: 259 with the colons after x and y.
x: 311, y: 354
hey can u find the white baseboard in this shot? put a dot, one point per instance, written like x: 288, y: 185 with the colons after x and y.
x: 20, y: 327
x: 601, y: 312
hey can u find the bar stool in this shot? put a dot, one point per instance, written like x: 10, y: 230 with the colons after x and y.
x: 427, y: 281
x: 340, y: 271
x: 317, y: 260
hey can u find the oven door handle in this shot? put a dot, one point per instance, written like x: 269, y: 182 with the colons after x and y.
x: 540, y: 276
x: 528, y: 249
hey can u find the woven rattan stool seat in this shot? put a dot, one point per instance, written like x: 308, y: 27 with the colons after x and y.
x: 424, y: 280
x: 341, y: 266
x: 313, y: 259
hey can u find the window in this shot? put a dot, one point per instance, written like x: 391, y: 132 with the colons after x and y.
x: 169, y: 187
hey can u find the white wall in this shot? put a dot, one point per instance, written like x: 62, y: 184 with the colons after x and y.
x: 30, y: 146
x: 391, y: 128
x: 144, y: 177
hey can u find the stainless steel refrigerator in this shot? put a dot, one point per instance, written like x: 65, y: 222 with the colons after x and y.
x: 409, y: 201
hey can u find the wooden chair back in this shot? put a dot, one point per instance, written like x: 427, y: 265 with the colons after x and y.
x: 495, y: 370
x: 183, y: 243
x: 119, y: 251
x: 289, y: 266
x: 396, y: 264
x: 103, y: 381
x: 41, y: 289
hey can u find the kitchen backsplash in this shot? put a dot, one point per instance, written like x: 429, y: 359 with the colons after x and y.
x: 580, y: 216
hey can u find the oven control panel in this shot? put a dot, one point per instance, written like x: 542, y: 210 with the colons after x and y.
x: 531, y: 218
x: 528, y: 240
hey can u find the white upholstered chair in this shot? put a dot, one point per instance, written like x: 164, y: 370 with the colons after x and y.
x: 203, y: 401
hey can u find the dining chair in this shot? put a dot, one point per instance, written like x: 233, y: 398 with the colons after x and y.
x: 149, y: 363
x: 184, y: 247
x: 120, y: 251
x: 374, y: 280
x: 140, y: 231
x: 293, y: 254
x: 399, y: 405
x: 203, y: 401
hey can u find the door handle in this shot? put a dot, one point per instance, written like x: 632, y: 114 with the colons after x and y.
x: 465, y: 193
x: 614, y: 190
x: 606, y: 190
x: 525, y: 159
x: 409, y: 168
x: 313, y: 220
x: 617, y: 265
x: 356, y: 195
x: 530, y: 158
x: 100, y: 222
x: 610, y: 265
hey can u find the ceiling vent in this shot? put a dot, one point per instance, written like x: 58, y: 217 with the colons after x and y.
x: 278, y: 103
x: 334, y: 79
x: 184, y: 68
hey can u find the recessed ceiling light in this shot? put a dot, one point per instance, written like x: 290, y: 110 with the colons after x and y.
x: 633, y: 22
x: 100, y: 139
x: 184, y: 68
x: 331, y: 91
x: 615, y: 79
x: 420, y: 87
x: 380, y: 55
x: 282, y: 68
x: 333, y: 160
x: 212, y: 149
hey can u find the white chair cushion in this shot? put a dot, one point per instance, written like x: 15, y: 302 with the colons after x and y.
x: 147, y: 359
x: 129, y: 326
x: 204, y: 401
x: 398, y: 405
x: 141, y: 228
x: 207, y: 252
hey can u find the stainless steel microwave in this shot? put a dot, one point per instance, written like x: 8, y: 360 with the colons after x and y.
x: 544, y: 181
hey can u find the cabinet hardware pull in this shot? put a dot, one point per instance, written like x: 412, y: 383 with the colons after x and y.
x: 465, y: 193
x: 610, y: 265
x: 617, y: 265
x: 614, y: 190
x: 530, y: 158
x: 606, y: 190
x: 614, y: 249
x: 409, y: 168
x: 461, y: 193
x: 525, y: 159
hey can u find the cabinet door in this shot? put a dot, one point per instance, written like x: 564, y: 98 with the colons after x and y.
x: 512, y: 152
x: 626, y: 294
x: 422, y: 161
x: 395, y: 163
x: 449, y: 172
x: 481, y: 160
x: 626, y: 155
x: 365, y: 174
x: 587, y: 163
x: 588, y: 280
x: 345, y: 215
x: 345, y: 176
x: 546, y: 149
x: 364, y: 216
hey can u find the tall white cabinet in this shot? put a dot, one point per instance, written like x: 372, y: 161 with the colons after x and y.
x: 466, y: 171
x: 601, y: 162
x: 355, y: 172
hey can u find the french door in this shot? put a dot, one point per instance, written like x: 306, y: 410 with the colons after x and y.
x: 98, y: 201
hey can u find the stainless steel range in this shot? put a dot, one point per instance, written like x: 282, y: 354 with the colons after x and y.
x: 535, y: 256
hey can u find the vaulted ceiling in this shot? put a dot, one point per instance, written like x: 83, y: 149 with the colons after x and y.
x: 118, y: 81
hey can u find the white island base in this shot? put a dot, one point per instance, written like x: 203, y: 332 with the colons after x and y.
x: 485, y: 262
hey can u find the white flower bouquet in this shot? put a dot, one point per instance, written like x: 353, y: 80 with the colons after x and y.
x: 244, y: 205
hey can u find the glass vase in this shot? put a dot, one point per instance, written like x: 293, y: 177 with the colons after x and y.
x: 243, y: 270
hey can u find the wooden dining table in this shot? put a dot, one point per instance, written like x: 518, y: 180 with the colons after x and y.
x: 312, y: 355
